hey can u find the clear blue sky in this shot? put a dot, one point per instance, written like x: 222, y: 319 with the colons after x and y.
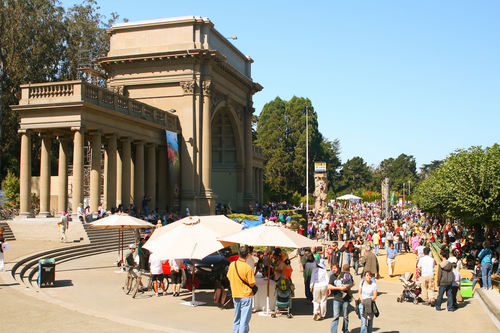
x: 385, y: 77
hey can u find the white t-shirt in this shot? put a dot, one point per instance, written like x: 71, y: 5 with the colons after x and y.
x: 426, y: 264
x: 155, y: 264
x: 367, y: 290
x: 420, y: 251
x: 251, y: 262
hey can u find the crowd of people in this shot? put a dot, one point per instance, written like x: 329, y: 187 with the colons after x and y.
x: 354, y: 236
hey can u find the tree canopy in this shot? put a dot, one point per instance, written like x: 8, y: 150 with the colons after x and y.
x: 40, y: 42
x: 466, y: 186
x: 355, y: 175
x: 399, y: 170
x: 281, y: 129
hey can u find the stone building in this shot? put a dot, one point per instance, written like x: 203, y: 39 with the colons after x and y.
x: 177, y: 77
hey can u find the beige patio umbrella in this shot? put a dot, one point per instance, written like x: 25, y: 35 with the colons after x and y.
x: 120, y: 221
x: 193, y: 237
x: 270, y: 235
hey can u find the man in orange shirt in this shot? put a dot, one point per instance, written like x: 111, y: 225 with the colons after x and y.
x: 242, y: 279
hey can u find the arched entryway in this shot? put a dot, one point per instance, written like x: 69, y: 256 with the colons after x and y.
x: 226, y: 158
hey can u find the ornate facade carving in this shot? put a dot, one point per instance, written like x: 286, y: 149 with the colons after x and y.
x: 188, y: 87
x: 207, y: 87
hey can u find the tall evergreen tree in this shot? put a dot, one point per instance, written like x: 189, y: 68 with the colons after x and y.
x: 281, y: 130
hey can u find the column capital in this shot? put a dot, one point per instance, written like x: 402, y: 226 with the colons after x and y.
x: 207, y: 86
x: 125, y: 138
x: 77, y: 128
x: 24, y: 131
x: 189, y: 87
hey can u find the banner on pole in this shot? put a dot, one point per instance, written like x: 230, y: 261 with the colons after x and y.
x: 174, y: 169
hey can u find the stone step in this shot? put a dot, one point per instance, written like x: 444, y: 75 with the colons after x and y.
x: 8, y: 234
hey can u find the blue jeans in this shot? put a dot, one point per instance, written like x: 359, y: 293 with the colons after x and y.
x: 486, y: 271
x: 366, y: 325
x: 242, y: 314
x: 356, y: 266
x: 449, y: 296
x: 377, y: 248
x: 340, y: 308
x: 347, y: 258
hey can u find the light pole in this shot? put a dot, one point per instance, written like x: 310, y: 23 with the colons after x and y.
x: 307, y: 161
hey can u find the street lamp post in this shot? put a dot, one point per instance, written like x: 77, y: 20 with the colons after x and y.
x: 307, y: 161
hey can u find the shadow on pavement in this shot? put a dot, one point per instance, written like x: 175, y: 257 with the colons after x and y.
x: 84, y: 268
x: 63, y: 283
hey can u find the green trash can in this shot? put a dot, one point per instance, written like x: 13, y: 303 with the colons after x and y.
x: 466, y: 288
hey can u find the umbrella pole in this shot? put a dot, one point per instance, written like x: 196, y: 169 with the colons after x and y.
x: 121, y: 235
x: 193, y: 301
x: 268, y: 278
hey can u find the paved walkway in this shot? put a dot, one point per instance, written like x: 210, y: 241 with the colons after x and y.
x: 92, y: 290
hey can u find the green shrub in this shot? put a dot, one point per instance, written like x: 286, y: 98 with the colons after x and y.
x: 10, y: 188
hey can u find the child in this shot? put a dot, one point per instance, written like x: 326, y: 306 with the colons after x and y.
x: 455, y: 286
x: 476, y: 274
x: 347, y: 279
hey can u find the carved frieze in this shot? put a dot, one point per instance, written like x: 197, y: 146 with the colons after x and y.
x: 207, y: 87
x: 188, y: 87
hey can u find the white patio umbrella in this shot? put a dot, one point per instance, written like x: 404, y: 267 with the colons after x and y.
x: 349, y: 197
x: 193, y: 237
x: 120, y: 221
x: 270, y: 235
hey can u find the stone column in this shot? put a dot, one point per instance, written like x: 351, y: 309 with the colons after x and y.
x: 45, y: 176
x: 248, y: 156
x: 110, y: 159
x: 151, y: 175
x: 206, y: 149
x: 25, y: 176
x: 95, y: 173
x: 62, y: 181
x: 77, y: 181
x: 119, y: 177
x: 126, y: 156
x: 162, y: 178
x: 139, y: 175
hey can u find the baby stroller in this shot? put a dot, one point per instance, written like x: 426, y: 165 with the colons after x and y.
x: 411, y: 290
x: 283, y: 298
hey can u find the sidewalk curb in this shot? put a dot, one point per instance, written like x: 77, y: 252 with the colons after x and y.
x: 489, y: 307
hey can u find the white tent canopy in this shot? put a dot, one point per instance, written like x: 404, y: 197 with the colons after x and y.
x: 193, y: 237
x: 349, y: 197
x: 118, y: 221
x: 270, y: 235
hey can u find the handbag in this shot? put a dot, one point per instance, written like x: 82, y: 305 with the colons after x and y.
x: 375, y: 311
x: 254, y: 288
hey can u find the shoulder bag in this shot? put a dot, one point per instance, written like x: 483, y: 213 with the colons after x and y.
x: 254, y: 288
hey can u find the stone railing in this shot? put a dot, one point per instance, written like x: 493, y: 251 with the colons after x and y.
x: 257, y: 151
x: 81, y: 91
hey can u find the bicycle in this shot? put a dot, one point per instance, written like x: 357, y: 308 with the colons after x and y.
x: 149, y: 285
x: 132, y: 282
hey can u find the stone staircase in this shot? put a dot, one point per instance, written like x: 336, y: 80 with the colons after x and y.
x: 7, y: 234
x: 101, y: 241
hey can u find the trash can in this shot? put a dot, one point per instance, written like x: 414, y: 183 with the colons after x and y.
x: 466, y: 288
x: 46, y: 272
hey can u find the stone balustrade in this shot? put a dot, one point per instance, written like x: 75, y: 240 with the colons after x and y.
x: 81, y: 91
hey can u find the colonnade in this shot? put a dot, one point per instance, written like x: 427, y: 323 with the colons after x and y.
x: 258, y: 184
x: 128, y: 177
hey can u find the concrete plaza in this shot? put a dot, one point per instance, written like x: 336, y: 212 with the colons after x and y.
x: 88, y: 295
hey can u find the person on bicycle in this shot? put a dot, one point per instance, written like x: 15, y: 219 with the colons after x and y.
x: 131, y: 265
